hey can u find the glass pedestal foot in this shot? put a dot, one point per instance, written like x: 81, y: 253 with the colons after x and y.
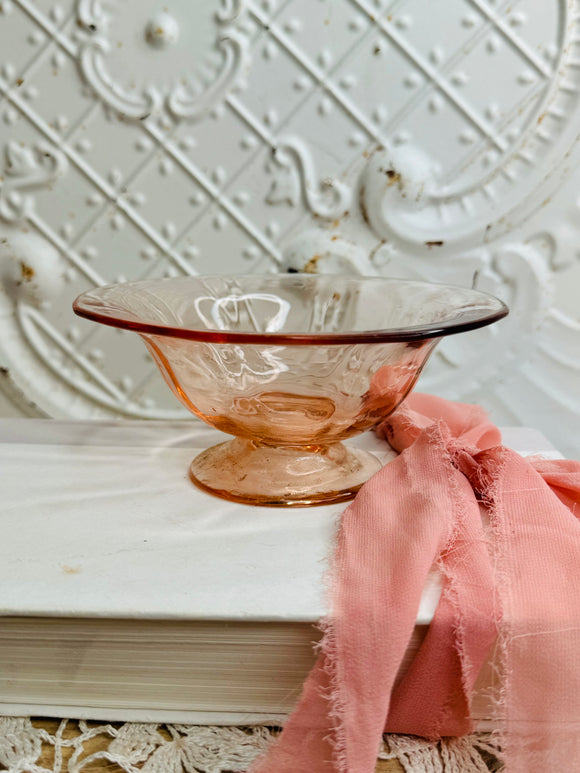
x: 245, y: 471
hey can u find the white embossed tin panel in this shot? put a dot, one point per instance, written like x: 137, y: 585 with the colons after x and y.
x: 423, y: 138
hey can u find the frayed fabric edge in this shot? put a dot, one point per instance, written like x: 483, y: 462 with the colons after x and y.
x: 327, y: 648
x: 336, y: 709
x: 498, y: 700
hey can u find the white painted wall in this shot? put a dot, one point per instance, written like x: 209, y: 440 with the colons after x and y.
x: 249, y: 135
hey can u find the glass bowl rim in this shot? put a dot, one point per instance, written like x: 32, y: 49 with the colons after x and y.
x: 215, y: 336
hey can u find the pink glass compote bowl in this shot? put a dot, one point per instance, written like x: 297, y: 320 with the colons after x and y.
x: 291, y: 365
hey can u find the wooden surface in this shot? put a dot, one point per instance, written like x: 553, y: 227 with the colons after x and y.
x: 100, y: 743
x: 389, y: 766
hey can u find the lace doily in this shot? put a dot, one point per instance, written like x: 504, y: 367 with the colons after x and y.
x: 71, y: 746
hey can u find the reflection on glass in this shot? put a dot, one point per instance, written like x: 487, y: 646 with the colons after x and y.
x: 291, y: 365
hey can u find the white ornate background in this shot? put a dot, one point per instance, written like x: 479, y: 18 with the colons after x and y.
x: 424, y: 138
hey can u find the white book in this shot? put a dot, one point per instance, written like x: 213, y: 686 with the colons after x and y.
x: 126, y: 593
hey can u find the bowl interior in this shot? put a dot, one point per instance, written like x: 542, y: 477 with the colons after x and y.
x: 291, y: 365
x: 325, y: 308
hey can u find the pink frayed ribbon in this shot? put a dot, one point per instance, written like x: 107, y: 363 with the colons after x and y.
x: 511, y: 590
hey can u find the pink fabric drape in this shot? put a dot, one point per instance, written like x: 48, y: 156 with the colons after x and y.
x: 510, y: 592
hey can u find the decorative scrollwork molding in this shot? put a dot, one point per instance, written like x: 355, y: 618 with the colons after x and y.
x: 26, y: 169
x: 230, y: 11
x: 31, y: 268
x: 156, y: 67
x: 469, y: 364
x: 30, y: 277
x: 458, y: 204
x: 472, y: 110
x: 317, y: 251
x: 184, y: 103
x: 295, y: 178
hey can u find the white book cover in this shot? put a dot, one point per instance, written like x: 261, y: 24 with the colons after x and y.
x: 100, y: 521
